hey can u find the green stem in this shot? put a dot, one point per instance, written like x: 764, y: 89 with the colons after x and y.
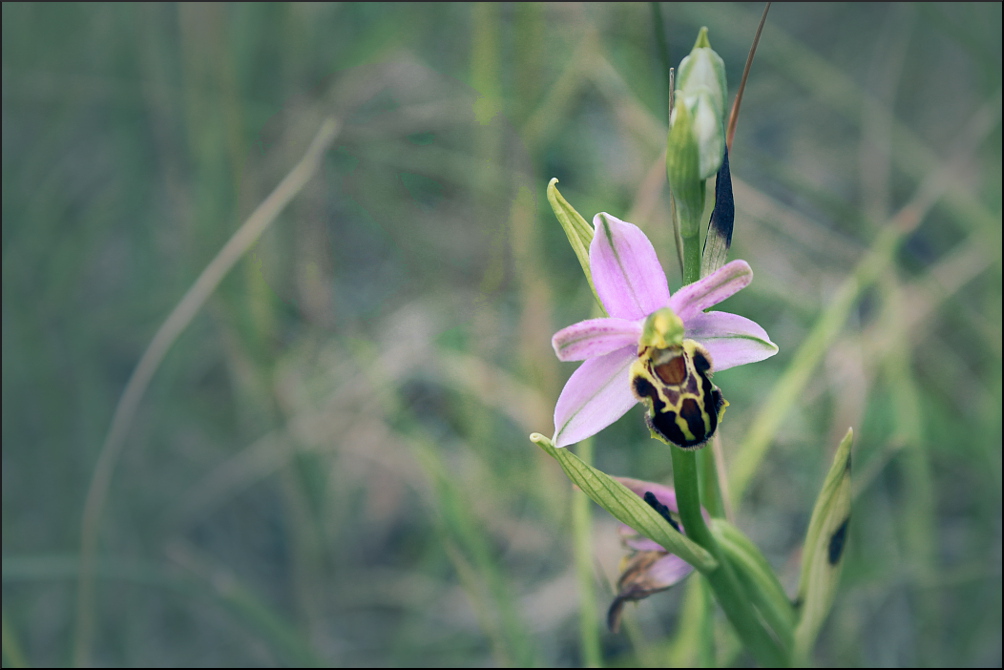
x: 711, y: 497
x: 723, y: 581
x: 691, y: 256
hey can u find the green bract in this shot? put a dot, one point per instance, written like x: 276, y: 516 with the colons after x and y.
x: 683, y: 169
x: 578, y: 231
x: 625, y: 506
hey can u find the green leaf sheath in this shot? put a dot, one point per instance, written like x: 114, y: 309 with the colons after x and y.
x: 824, y: 549
x: 729, y: 592
x: 758, y: 579
x: 578, y: 230
x: 626, y: 507
x: 683, y: 172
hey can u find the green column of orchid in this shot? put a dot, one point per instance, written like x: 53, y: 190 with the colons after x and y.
x: 695, y: 147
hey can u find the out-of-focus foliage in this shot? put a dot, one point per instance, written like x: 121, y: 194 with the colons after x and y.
x: 331, y: 465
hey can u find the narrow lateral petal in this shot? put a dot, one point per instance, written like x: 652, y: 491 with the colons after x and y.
x: 595, y: 337
x: 629, y: 280
x: 730, y: 339
x: 596, y: 395
x: 726, y: 281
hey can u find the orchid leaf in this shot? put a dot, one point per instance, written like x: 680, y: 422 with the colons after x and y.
x: 625, y: 506
x: 578, y: 230
x: 758, y: 579
x: 824, y: 549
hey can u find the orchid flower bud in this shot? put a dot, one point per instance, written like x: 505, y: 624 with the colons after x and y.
x: 703, y: 72
x: 701, y: 88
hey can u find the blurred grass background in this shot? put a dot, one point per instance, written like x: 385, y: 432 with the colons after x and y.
x: 331, y: 466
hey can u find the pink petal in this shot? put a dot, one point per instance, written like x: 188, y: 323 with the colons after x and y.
x: 638, y: 542
x: 663, y: 494
x: 730, y: 339
x: 626, y: 271
x: 694, y: 298
x: 595, y: 337
x: 631, y: 538
x: 596, y: 395
x: 669, y: 570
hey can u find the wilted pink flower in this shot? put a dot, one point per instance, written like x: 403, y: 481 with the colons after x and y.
x: 649, y: 568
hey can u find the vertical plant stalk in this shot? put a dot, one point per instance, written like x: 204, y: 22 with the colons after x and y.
x: 691, y: 257
x: 723, y: 581
x: 722, y: 478
x: 589, y: 636
x: 707, y: 465
x: 714, y: 481
x: 176, y: 322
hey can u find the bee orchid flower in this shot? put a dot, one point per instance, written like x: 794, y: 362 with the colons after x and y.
x: 652, y: 346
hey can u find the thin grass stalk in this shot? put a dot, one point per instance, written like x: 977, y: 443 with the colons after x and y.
x: 176, y: 322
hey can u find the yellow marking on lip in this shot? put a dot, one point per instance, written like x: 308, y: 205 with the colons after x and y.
x: 674, y: 382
